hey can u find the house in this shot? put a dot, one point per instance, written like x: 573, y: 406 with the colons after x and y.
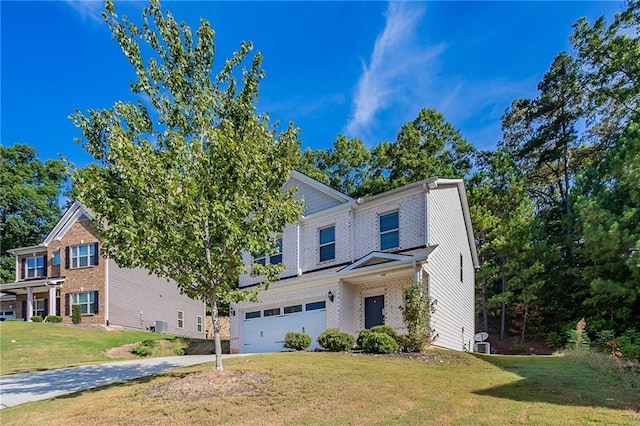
x: 346, y: 263
x: 68, y: 269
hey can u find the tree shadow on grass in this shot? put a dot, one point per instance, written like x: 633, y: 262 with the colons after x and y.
x: 562, y: 381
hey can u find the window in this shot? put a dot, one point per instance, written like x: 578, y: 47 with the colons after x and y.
x: 180, y: 319
x: 271, y: 312
x: 252, y: 314
x: 56, y: 258
x: 314, y: 306
x: 276, y: 258
x: 35, y: 267
x: 292, y: 309
x: 39, y: 307
x: 389, y: 231
x: 87, y: 300
x: 273, y: 259
x: 327, y: 238
x: 84, y: 255
x: 199, y: 322
x: 461, y: 267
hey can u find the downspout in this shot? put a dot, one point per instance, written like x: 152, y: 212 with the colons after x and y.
x: 352, y: 236
x: 298, y: 250
x: 106, y: 291
x: 426, y: 214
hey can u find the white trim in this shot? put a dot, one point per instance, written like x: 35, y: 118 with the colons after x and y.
x: 321, y: 186
x: 106, y: 290
x: 73, y: 213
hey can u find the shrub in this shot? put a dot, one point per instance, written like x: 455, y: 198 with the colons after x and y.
x: 76, y: 314
x: 36, y: 318
x: 380, y: 343
x: 578, y: 339
x: 363, y: 333
x: 53, y: 319
x: 335, y: 340
x: 417, y: 310
x: 554, y: 340
x: 297, y: 341
x: 385, y: 329
x: 409, y: 343
x: 145, y: 348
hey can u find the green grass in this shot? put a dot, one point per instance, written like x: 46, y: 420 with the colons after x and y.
x: 28, y: 346
x: 342, y: 389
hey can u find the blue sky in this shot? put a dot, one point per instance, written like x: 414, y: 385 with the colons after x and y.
x: 357, y: 68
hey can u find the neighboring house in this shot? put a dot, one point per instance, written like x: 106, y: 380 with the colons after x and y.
x: 67, y: 269
x: 347, y: 262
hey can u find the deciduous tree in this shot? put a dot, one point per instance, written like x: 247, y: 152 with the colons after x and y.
x: 29, y: 195
x: 190, y: 176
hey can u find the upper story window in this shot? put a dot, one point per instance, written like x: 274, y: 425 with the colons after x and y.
x: 84, y: 255
x: 327, y: 238
x: 273, y: 259
x: 35, y: 267
x: 389, y: 231
x: 56, y: 258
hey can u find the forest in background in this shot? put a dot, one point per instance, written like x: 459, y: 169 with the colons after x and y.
x: 555, y: 207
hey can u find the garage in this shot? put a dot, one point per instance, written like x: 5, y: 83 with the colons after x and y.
x: 263, y: 330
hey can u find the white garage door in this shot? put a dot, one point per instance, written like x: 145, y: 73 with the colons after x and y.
x: 264, y: 330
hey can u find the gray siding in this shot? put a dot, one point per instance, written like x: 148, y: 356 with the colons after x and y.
x: 315, y: 200
x: 137, y: 300
x: 455, y: 299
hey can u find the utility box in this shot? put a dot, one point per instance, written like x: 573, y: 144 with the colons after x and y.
x: 482, y: 347
x: 161, y: 327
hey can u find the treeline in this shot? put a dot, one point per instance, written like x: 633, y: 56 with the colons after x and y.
x: 556, y: 206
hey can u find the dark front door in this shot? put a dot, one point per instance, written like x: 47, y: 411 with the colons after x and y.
x: 373, y: 311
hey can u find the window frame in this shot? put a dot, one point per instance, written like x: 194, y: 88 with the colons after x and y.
x: 273, y: 312
x: 328, y: 243
x: 89, y: 303
x: 315, y: 306
x: 39, y: 310
x: 389, y: 231
x: 292, y: 309
x: 271, y: 259
x: 199, y: 323
x: 252, y: 315
x: 35, y: 268
x: 90, y: 256
x: 56, y: 258
x: 180, y: 319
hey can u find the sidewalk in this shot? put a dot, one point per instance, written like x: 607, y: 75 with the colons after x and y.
x: 17, y: 389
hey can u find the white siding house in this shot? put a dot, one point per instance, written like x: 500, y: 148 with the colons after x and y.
x: 347, y: 262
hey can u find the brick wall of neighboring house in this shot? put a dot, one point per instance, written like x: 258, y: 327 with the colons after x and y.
x: 225, y: 329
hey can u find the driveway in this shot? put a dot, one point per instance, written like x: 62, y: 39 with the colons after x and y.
x: 17, y: 389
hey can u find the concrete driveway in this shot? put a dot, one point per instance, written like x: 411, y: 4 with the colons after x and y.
x: 17, y: 389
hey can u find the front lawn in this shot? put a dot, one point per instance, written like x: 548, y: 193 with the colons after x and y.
x: 26, y: 346
x: 340, y: 388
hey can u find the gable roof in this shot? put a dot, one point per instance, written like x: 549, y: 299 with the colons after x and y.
x: 73, y: 213
x: 326, y: 189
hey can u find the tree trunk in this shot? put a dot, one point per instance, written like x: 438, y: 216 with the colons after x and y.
x: 485, y: 318
x: 503, y: 309
x: 524, y: 322
x: 216, y: 330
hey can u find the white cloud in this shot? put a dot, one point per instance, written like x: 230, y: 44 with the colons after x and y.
x: 398, y: 67
x: 89, y: 10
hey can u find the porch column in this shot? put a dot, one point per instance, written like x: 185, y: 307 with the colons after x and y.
x: 29, y: 303
x: 52, y: 301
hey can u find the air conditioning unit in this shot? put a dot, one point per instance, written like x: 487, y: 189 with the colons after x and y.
x: 482, y: 347
x: 161, y: 327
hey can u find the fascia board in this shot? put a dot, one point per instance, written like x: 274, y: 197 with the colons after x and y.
x: 321, y: 186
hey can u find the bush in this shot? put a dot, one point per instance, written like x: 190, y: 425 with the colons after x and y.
x: 385, y: 329
x: 36, y: 318
x: 555, y: 340
x: 53, y: 319
x: 409, y: 343
x: 380, y: 343
x: 297, y: 341
x: 76, y: 314
x: 145, y: 348
x: 363, y: 333
x: 335, y: 340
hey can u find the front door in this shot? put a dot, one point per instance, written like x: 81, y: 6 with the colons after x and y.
x: 373, y: 311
